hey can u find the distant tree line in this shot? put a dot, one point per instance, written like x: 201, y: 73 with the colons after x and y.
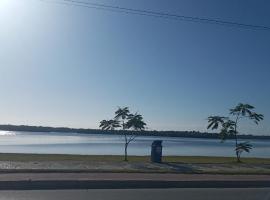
x: 190, y: 134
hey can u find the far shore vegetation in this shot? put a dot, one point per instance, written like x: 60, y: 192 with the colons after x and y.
x: 190, y: 134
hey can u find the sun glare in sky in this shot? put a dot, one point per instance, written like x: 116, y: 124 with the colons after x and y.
x: 4, y: 3
x: 4, y: 6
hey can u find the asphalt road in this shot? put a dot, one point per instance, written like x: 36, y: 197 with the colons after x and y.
x: 141, y: 194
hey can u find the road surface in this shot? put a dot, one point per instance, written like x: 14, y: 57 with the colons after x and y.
x: 141, y: 194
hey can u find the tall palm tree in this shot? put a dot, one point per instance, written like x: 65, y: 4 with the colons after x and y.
x: 136, y: 123
x: 243, y: 111
x: 230, y: 126
x: 128, y: 122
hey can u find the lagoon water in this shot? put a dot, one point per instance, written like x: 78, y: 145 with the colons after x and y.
x: 86, y: 144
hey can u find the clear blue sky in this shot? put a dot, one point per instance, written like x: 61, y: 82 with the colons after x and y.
x: 70, y: 66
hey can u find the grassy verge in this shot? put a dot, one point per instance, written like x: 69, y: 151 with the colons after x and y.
x: 95, y: 158
x: 214, y: 160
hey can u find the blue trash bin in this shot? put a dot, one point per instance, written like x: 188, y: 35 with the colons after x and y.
x: 156, y: 151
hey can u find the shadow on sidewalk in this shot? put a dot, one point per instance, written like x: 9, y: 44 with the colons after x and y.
x: 179, y: 167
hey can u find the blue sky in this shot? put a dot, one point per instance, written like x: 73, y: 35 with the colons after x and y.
x: 71, y: 66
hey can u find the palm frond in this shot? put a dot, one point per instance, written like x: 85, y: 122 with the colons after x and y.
x: 122, y: 113
x: 256, y: 117
x: 242, y: 109
x: 135, y: 121
x: 244, y: 146
x: 215, y: 121
x: 109, y: 124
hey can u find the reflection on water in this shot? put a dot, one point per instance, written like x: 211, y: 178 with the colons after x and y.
x: 2, y: 133
x: 72, y: 143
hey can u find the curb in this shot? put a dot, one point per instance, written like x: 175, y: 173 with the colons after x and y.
x: 126, y: 184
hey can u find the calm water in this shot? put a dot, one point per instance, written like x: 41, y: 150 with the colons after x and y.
x: 68, y: 143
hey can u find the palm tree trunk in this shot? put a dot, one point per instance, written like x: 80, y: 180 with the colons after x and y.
x: 236, y: 152
x: 236, y: 139
x: 126, y: 145
x: 238, y: 157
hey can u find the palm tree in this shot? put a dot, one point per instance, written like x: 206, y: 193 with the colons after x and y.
x: 229, y: 127
x: 129, y: 121
x: 136, y: 123
x: 243, y: 111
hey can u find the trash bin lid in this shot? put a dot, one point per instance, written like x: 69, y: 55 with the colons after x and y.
x: 157, y: 143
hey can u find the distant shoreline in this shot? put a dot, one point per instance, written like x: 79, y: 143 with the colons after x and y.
x: 188, y: 134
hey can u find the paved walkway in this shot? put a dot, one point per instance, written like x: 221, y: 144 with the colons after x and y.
x: 142, y: 194
x: 128, y: 176
x: 38, y: 181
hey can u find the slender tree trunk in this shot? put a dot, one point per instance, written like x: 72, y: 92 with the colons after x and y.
x: 236, y: 152
x: 126, y: 146
x: 236, y: 139
x: 126, y: 141
x: 238, y: 157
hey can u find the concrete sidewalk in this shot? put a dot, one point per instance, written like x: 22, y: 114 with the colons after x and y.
x: 128, y: 176
x: 29, y: 181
